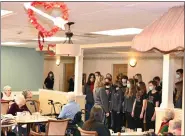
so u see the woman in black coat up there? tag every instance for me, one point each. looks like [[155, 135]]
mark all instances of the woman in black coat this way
[[88, 91], [49, 81]]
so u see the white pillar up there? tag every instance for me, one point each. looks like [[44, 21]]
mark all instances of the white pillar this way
[[78, 73], [168, 82]]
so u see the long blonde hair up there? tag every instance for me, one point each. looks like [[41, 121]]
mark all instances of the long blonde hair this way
[[99, 82]]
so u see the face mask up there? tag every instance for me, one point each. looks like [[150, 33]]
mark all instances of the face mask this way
[[107, 86], [128, 85], [177, 76], [50, 75], [107, 83], [124, 84], [117, 88], [151, 88]]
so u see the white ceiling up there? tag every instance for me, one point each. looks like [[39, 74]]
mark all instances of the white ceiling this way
[[88, 17]]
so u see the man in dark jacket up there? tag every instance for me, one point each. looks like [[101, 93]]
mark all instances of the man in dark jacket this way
[[178, 89]]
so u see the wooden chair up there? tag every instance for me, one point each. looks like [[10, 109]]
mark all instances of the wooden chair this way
[[33, 105], [4, 107], [87, 133], [54, 128]]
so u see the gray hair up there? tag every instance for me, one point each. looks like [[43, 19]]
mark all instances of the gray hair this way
[[175, 124], [6, 88], [25, 93], [71, 96], [169, 115]]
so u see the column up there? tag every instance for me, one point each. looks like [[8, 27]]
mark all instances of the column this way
[[168, 82], [78, 73]]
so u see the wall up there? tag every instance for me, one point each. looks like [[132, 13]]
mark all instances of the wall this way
[[148, 66], [21, 68], [50, 65]]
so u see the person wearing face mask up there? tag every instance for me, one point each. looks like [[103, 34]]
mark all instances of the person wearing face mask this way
[[123, 89], [129, 99], [100, 95], [177, 96], [115, 107], [137, 79], [158, 88], [88, 91], [49, 81], [109, 88], [139, 106], [152, 102]]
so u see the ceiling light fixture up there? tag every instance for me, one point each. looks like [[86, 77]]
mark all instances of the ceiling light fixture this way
[[120, 32], [12, 43], [6, 13]]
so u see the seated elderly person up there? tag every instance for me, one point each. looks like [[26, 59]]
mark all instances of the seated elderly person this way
[[70, 109], [7, 94], [27, 94], [175, 127], [18, 106], [169, 115]]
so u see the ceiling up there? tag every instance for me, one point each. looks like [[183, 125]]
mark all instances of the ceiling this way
[[88, 17]]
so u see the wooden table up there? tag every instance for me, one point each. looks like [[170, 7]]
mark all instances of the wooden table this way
[[30, 120]]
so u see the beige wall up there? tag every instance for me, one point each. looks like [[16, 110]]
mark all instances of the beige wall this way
[[148, 67], [50, 65]]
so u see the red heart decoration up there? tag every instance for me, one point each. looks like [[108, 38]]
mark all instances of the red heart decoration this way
[[47, 6]]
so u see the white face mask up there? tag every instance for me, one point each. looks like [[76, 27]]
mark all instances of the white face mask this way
[[128, 85], [117, 88], [124, 84], [177, 76], [107, 86], [151, 88]]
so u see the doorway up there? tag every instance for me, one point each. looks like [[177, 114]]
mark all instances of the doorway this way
[[68, 73], [119, 68]]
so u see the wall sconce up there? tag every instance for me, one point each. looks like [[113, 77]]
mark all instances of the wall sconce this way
[[132, 62], [58, 62]]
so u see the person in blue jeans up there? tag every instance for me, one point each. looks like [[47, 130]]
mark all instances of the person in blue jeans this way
[[88, 91]]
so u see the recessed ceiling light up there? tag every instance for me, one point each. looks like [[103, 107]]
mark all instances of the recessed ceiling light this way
[[6, 13], [12, 43], [120, 32], [55, 39]]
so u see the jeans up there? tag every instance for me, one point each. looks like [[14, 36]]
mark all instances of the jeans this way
[[88, 108]]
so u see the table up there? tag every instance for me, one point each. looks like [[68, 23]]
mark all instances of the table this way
[[129, 134], [29, 120]]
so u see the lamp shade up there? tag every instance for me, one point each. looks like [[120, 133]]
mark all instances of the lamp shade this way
[[166, 34], [67, 50]]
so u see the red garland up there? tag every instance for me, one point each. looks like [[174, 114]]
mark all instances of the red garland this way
[[51, 52], [47, 6], [40, 34]]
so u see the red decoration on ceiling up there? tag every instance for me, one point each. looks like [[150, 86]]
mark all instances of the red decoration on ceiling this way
[[41, 45], [52, 53], [47, 6]]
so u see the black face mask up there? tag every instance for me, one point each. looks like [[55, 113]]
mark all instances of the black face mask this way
[[136, 80], [107, 83]]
